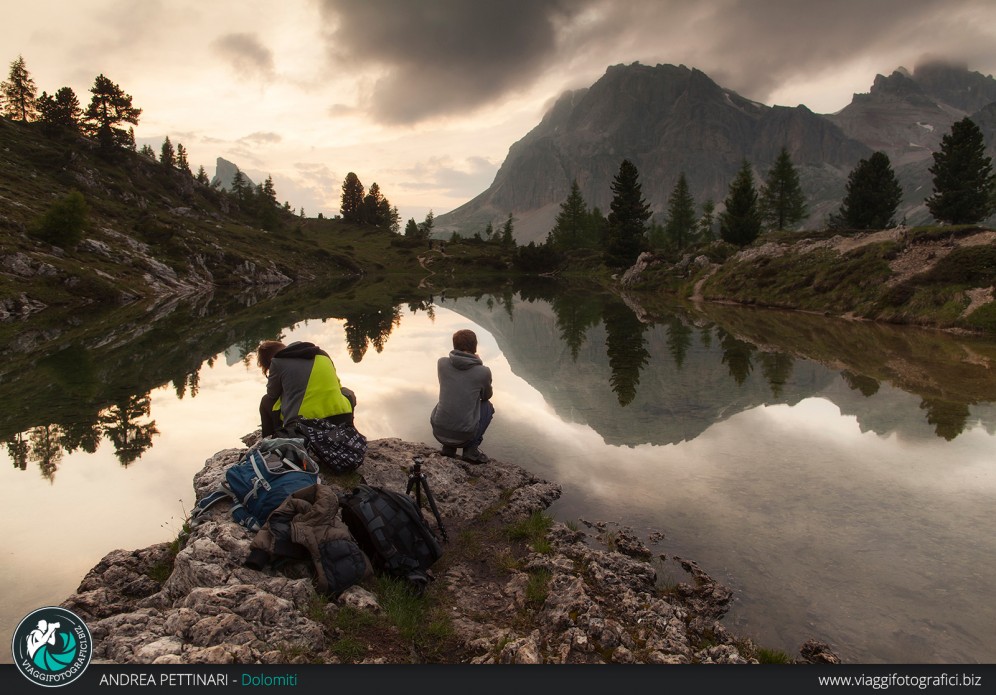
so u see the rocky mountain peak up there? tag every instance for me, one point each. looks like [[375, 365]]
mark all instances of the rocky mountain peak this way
[[955, 85], [224, 172], [668, 120], [672, 119]]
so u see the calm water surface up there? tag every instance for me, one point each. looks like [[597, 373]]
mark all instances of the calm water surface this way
[[839, 478]]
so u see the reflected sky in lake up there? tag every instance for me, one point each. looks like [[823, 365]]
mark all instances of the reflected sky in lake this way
[[832, 514]]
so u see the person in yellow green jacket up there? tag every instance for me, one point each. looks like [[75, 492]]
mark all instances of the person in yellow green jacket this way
[[301, 382]]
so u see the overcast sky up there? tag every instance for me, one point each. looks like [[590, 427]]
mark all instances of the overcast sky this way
[[425, 97]]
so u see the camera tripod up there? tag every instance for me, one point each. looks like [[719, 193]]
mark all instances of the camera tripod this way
[[418, 482]]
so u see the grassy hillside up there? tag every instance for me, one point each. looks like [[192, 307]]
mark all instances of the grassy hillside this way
[[153, 231], [942, 277]]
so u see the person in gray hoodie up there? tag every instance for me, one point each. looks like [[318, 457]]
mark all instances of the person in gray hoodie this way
[[464, 410]]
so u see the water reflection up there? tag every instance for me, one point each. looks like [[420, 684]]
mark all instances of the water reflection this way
[[949, 373], [696, 367], [91, 381], [751, 437]]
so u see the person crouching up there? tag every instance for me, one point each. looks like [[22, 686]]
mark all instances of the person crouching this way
[[464, 410]]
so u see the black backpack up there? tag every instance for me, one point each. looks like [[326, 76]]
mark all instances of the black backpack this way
[[390, 529]]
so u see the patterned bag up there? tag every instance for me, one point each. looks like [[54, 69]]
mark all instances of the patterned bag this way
[[339, 446]]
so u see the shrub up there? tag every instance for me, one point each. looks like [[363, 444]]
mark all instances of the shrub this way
[[974, 266], [983, 318], [64, 222]]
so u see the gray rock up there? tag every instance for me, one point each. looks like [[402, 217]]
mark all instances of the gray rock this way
[[592, 605]]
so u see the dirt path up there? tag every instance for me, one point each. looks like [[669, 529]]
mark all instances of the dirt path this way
[[697, 291]]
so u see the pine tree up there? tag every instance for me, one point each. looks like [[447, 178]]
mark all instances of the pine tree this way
[[371, 205], [627, 219], [269, 192], [963, 177], [388, 216], [167, 157], [240, 186], [680, 227], [571, 228], [109, 107], [181, 159], [425, 229], [411, 229], [489, 232], [872, 196], [148, 152], [740, 223], [351, 205], [18, 92], [507, 237], [202, 176], [61, 111], [266, 205], [706, 221], [783, 203]]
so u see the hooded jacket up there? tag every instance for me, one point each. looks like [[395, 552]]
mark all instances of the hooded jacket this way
[[464, 382], [303, 383]]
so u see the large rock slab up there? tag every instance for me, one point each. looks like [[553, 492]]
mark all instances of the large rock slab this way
[[197, 603]]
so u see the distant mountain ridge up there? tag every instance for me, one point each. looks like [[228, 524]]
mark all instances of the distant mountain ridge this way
[[671, 119]]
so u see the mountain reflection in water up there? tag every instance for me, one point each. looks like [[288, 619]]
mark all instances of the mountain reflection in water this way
[[730, 429]]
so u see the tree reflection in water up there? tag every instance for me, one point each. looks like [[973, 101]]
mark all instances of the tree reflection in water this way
[[120, 424], [69, 400]]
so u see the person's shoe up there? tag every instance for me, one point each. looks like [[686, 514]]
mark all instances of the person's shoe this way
[[449, 451], [475, 455]]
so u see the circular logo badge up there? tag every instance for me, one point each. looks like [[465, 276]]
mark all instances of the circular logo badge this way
[[52, 646]]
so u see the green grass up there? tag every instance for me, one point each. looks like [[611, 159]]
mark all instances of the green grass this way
[[538, 587], [416, 617], [533, 530], [162, 570], [348, 649], [857, 282], [772, 656]]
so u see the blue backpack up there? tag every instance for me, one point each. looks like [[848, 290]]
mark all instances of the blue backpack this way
[[262, 479]]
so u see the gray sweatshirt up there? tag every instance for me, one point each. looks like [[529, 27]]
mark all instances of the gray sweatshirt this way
[[464, 382]]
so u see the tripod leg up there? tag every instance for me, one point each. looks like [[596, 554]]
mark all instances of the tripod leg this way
[[435, 510]]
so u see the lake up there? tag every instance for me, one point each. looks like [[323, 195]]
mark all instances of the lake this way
[[838, 476]]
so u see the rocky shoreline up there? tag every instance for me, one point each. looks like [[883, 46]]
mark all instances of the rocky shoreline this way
[[585, 593]]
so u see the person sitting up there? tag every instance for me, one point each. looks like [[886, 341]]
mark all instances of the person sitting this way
[[301, 382], [464, 410]]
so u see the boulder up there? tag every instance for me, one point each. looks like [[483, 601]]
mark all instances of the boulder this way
[[555, 599]]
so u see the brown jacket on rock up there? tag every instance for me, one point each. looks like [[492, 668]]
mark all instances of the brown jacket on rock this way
[[305, 526]]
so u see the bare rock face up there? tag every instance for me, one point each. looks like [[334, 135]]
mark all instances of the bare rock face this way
[[212, 609], [594, 605]]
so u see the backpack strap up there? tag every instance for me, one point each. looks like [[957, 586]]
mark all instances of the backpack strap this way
[[206, 503]]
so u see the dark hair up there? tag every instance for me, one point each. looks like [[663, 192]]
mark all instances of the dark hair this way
[[465, 341], [265, 352]]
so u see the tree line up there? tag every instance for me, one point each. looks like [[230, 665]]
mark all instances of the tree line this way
[[110, 109], [964, 192]]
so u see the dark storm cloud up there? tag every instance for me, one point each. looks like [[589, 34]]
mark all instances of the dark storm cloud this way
[[754, 46], [442, 57], [246, 53]]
